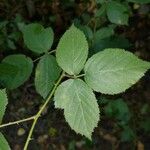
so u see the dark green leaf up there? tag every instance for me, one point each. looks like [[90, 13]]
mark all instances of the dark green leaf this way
[[117, 13], [38, 39], [47, 72], [118, 109], [24, 66], [127, 134], [139, 1]]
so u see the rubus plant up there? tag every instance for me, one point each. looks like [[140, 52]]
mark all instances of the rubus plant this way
[[110, 71]]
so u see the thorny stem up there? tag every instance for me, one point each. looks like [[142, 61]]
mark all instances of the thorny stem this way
[[35, 117], [40, 111], [17, 122]]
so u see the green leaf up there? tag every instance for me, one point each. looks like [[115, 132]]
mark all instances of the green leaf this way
[[117, 13], [87, 31], [80, 106], [104, 33], [110, 42], [47, 72], [3, 143], [145, 124], [101, 11], [127, 134], [38, 39], [6, 69], [113, 71], [3, 103], [139, 1], [118, 109], [23, 64], [100, 1], [72, 51]]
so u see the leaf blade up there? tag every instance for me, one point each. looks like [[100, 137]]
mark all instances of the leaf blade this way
[[38, 39], [3, 143], [117, 13], [23, 64], [72, 51], [3, 103], [80, 106], [47, 72], [112, 71]]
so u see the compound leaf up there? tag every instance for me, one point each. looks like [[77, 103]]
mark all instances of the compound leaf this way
[[24, 67], [47, 72], [38, 39], [113, 71], [72, 51], [3, 103], [80, 106], [3, 143]]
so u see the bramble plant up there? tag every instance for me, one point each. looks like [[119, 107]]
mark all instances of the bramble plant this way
[[110, 71], [68, 74]]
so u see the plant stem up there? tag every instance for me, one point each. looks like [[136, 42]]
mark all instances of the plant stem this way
[[81, 75], [40, 111], [42, 55], [17, 122], [74, 77]]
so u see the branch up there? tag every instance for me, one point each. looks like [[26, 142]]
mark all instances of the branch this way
[[17, 122], [40, 111]]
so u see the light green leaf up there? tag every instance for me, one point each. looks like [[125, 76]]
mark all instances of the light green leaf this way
[[139, 1], [117, 13], [47, 72], [38, 39], [3, 143], [72, 51], [23, 64], [113, 71], [3, 103], [80, 106]]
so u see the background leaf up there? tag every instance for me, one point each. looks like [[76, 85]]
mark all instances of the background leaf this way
[[38, 39], [72, 51], [113, 71], [3, 103], [127, 134], [47, 72], [117, 13], [80, 106], [118, 109], [24, 66], [139, 1], [7, 72], [110, 42]]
